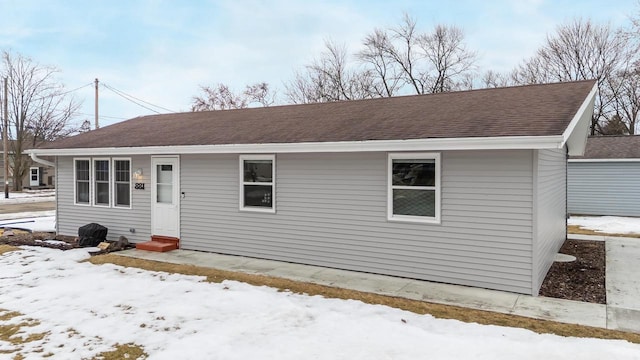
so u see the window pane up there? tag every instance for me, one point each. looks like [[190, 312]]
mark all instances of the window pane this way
[[122, 170], [122, 194], [102, 193], [82, 169], [82, 192], [165, 174], [164, 194], [257, 195], [414, 202], [258, 170], [412, 172], [102, 170]]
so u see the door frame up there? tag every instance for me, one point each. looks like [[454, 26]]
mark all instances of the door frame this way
[[176, 190]]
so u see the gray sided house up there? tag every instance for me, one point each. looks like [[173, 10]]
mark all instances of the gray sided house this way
[[465, 188], [605, 180]]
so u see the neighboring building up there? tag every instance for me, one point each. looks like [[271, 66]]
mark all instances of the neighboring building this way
[[37, 176], [465, 188], [606, 180]]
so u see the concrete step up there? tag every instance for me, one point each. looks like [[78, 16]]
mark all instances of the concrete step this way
[[157, 246], [160, 243]]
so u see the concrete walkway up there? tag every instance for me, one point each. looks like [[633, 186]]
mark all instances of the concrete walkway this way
[[622, 311], [623, 287], [623, 283]]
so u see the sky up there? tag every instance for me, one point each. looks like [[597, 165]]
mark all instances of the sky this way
[[161, 52]]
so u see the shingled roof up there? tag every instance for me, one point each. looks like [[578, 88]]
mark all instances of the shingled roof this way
[[612, 147], [533, 110]]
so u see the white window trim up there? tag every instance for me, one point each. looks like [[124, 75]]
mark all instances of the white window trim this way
[[109, 182], [113, 185], [271, 157], [409, 218], [75, 182]]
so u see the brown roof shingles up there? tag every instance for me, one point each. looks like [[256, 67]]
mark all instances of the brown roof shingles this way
[[612, 147], [534, 110]]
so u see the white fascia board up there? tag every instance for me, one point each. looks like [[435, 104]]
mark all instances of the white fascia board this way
[[576, 133], [479, 143], [603, 160]]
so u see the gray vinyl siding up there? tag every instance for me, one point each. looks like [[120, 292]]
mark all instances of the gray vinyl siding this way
[[550, 211], [117, 220], [332, 211], [604, 188]]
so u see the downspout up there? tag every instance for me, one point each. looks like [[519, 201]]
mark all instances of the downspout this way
[[35, 158]]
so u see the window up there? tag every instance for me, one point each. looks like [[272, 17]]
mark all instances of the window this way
[[122, 182], [81, 175], [257, 183], [414, 187], [101, 182]]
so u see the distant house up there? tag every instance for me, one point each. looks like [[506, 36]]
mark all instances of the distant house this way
[[464, 188], [36, 176], [606, 180]]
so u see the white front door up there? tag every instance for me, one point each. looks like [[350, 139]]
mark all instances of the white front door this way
[[165, 196]]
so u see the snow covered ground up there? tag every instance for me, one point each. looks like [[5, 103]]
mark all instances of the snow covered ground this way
[[608, 224], [28, 196], [34, 221], [86, 309]]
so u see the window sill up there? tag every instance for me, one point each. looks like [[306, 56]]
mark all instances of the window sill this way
[[414, 219], [258, 210]]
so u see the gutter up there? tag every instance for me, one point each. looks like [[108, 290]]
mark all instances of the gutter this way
[[35, 158]]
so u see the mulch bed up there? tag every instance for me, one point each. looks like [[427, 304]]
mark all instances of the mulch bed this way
[[582, 279]]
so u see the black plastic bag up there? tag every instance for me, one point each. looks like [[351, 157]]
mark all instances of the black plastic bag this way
[[91, 235]]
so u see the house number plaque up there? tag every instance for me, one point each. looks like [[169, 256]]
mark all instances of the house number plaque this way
[[139, 186]]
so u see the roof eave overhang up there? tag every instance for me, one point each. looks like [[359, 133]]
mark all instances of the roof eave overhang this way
[[576, 133], [471, 143]]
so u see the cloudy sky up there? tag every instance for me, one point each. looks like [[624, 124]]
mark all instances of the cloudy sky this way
[[161, 51]]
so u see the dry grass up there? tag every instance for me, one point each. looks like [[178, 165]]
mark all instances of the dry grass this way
[[7, 248], [15, 333], [576, 229], [123, 351], [419, 307]]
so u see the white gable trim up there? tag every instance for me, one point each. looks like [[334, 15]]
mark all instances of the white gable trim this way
[[479, 143], [575, 135]]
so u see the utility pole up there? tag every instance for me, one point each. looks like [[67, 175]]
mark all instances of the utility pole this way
[[5, 140], [96, 111]]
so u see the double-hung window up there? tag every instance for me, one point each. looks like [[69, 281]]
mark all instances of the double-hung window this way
[[414, 187], [81, 174], [257, 183], [102, 182], [122, 183]]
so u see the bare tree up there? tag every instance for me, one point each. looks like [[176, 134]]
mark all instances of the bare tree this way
[[330, 78], [39, 109], [393, 60], [578, 50], [447, 57], [221, 97], [623, 88], [492, 79]]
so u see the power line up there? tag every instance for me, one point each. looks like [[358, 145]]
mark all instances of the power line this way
[[64, 93], [130, 97]]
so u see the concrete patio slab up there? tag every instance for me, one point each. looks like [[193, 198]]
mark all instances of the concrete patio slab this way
[[474, 298], [566, 311], [623, 283]]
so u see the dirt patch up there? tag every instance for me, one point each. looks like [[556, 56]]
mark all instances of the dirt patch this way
[[582, 279], [37, 239]]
